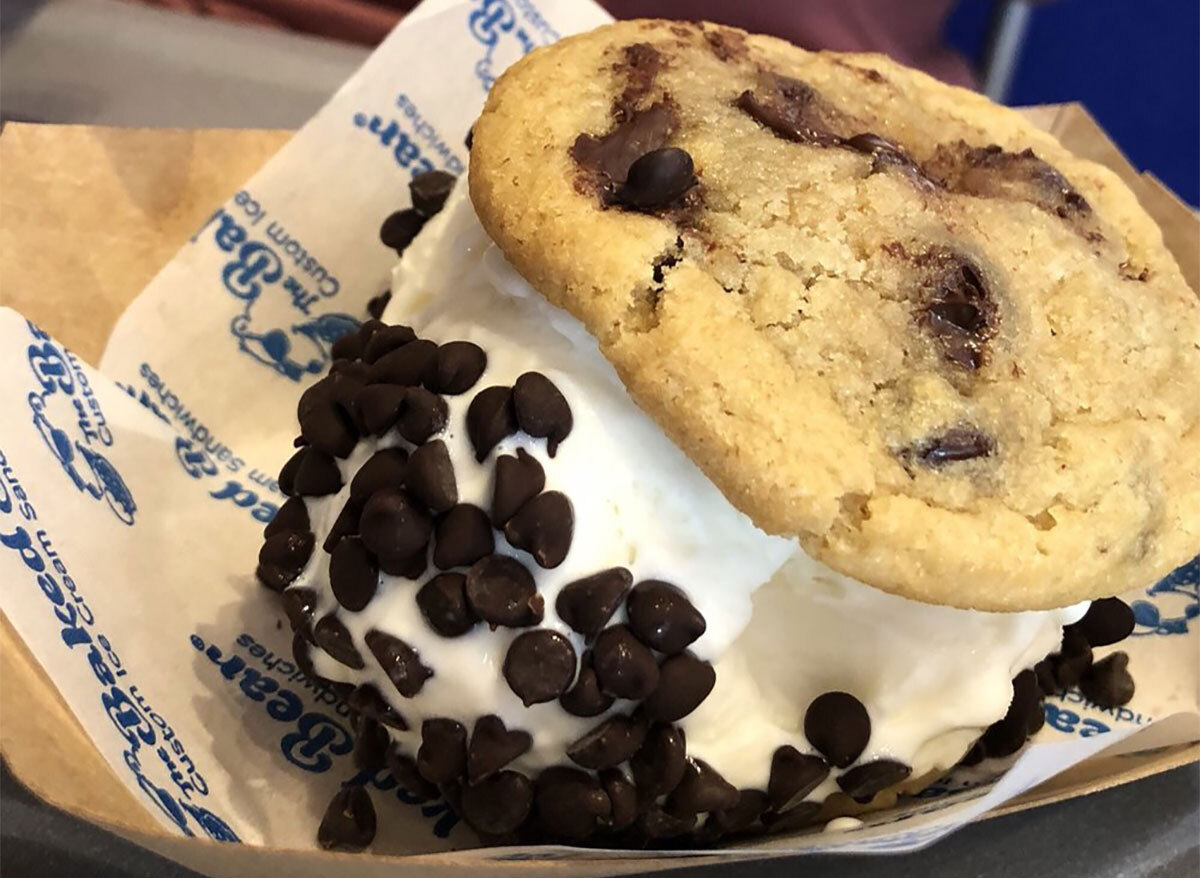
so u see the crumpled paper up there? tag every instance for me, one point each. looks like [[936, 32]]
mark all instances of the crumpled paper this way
[[132, 497]]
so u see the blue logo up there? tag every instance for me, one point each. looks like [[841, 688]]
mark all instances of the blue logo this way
[[71, 422], [1174, 601], [506, 33]]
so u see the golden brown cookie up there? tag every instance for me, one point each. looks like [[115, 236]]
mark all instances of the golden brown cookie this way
[[883, 314]]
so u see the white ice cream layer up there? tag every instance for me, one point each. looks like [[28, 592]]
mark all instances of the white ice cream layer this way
[[782, 628]]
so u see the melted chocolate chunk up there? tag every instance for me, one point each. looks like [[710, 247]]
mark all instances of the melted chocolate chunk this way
[[502, 592], [429, 191], [659, 765], [393, 526], [541, 409], [727, 45], [793, 109], [1108, 682], [605, 160], [457, 366], [518, 480], [387, 339], [282, 558], [399, 661], [836, 723], [366, 700], [662, 617], [793, 776], [404, 770], [443, 603], [587, 604], [539, 666], [353, 574], [493, 746], [490, 418], [498, 804], [624, 667], [331, 635], [684, 682], [956, 444], [609, 744], [863, 782], [702, 789], [430, 476], [657, 179], [463, 536], [349, 821], [956, 308], [442, 757], [885, 154], [570, 803], [383, 470], [639, 67], [543, 527], [1106, 621], [400, 228]]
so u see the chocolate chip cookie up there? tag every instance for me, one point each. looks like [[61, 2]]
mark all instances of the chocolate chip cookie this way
[[882, 314]]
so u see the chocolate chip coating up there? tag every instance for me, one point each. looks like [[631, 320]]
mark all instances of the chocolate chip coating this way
[[625, 668], [393, 526], [493, 746], [422, 414], [1108, 682], [570, 803], [399, 661], [864, 781], [490, 418], [610, 743], [384, 469], [430, 476], [543, 527], [331, 635], [385, 340], [539, 666], [541, 410], [282, 558], [498, 804], [587, 604], [406, 366], [502, 592], [457, 366], [662, 617], [793, 776], [443, 603], [442, 757], [353, 574], [1107, 621], [657, 179], [659, 765], [519, 479], [684, 682], [837, 724], [349, 821], [292, 515], [463, 536]]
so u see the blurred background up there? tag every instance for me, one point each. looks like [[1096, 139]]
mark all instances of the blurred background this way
[[272, 63]]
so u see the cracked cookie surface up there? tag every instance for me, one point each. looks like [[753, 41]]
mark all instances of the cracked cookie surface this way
[[881, 313]]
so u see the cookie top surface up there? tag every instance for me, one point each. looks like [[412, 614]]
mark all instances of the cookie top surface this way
[[887, 316]]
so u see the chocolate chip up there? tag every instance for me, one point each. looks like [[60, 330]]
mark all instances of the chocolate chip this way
[[657, 823], [1007, 735], [498, 804], [339, 388], [659, 765], [605, 160], [518, 480], [502, 592], [407, 366], [348, 347], [344, 525], [539, 666], [404, 770], [1108, 682], [429, 190], [349, 821], [622, 798], [287, 473], [657, 179], [683, 683], [378, 304], [282, 558], [400, 228], [793, 110], [302, 654], [836, 723], [1044, 671], [456, 368], [885, 154], [1107, 621], [610, 743], [463, 536], [493, 746], [422, 414], [292, 515], [430, 476], [353, 574], [392, 525], [378, 407], [442, 757], [300, 604], [541, 409], [369, 328], [662, 617], [624, 667], [585, 697], [587, 604], [800, 816], [570, 803], [317, 474], [748, 808], [331, 635], [353, 369], [956, 444], [366, 700], [1037, 719], [543, 527], [371, 746], [490, 418], [399, 661], [702, 789], [413, 567], [868, 143], [793, 776], [866, 780], [384, 469], [974, 756], [443, 603], [387, 339]]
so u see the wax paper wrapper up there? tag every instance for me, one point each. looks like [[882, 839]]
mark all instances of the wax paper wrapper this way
[[132, 497]]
